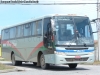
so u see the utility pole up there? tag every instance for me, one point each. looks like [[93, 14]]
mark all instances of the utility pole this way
[[98, 27]]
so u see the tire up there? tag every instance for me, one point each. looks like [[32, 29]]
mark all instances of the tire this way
[[14, 62], [42, 62], [72, 66], [19, 63], [34, 63]]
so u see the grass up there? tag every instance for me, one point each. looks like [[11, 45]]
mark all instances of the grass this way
[[5, 67], [2, 59], [95, 63]]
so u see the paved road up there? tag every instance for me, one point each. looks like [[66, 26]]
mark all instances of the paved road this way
[[56, 70]]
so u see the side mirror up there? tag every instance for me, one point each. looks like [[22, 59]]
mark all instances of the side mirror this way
[[95, 32], [93, 20]]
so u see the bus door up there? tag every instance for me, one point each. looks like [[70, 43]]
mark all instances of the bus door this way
[[47, 34]]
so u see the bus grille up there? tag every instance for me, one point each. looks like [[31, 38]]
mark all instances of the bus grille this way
[[76, 59]]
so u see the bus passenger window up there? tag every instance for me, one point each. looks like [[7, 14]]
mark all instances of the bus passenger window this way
[[6, 34], [39, 27], [27, 29], [33, 28], [2, 33], [19, 31], [12, 32]]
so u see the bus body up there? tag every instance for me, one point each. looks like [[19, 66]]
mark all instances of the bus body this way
[[54, 39]]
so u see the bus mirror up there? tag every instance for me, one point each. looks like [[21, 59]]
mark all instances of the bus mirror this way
[[94, 20], [95, 32]]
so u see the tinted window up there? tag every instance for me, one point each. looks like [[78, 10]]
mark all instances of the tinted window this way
[[39, 27], [27, 29], [2, 35], [19, 31], [45, 23], [12, 32], [33, 28], [6, 34]]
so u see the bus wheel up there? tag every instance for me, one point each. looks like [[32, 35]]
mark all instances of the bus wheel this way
[[14, 62], [42, 62], [72, 65]]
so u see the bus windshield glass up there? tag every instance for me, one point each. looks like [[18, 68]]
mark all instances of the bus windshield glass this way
[[73, 30]]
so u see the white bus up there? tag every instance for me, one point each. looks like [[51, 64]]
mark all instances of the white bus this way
[[53, 39]]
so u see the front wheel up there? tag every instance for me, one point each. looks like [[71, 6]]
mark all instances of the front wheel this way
[[42, 62], [72, 65]]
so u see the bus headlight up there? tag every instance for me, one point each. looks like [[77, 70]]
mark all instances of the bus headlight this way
[[60, 53]]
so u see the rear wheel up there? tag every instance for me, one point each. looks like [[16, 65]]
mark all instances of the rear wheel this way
[[14, 62], [42, 62], [72, 65]]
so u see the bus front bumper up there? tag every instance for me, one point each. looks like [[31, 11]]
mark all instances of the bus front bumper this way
[[61, 59]]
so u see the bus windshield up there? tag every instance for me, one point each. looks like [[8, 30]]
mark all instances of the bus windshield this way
[[73, 30]]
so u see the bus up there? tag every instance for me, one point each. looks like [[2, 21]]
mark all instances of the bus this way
[[51, 39]]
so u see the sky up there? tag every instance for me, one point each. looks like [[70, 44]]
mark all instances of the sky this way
[[15, 14]]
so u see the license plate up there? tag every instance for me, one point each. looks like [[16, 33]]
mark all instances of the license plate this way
[[77, 57]]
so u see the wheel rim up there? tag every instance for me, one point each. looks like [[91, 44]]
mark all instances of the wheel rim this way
[[42, 61]]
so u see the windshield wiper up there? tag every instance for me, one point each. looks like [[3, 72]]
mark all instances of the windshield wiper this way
[[72, 41], [83, 42]]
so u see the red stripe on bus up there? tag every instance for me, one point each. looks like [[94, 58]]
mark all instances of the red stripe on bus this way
[[36, 48], [10, 44]]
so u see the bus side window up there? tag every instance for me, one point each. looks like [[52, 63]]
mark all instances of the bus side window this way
[[2, 33], [27, 29], [6, 34], [12, 32], [39, 27], [33, 28], [19, 31]]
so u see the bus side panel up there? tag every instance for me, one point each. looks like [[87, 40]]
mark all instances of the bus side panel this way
[[8, 47], [20, 49], [36, 45], [6, 54]]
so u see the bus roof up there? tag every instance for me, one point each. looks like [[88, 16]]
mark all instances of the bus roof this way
[[45, 16]]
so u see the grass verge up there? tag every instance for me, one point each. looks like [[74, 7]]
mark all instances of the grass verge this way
[[95, 63], [5, 67], [2, 59]]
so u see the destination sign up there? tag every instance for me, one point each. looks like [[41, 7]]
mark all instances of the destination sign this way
[[63, 18]]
